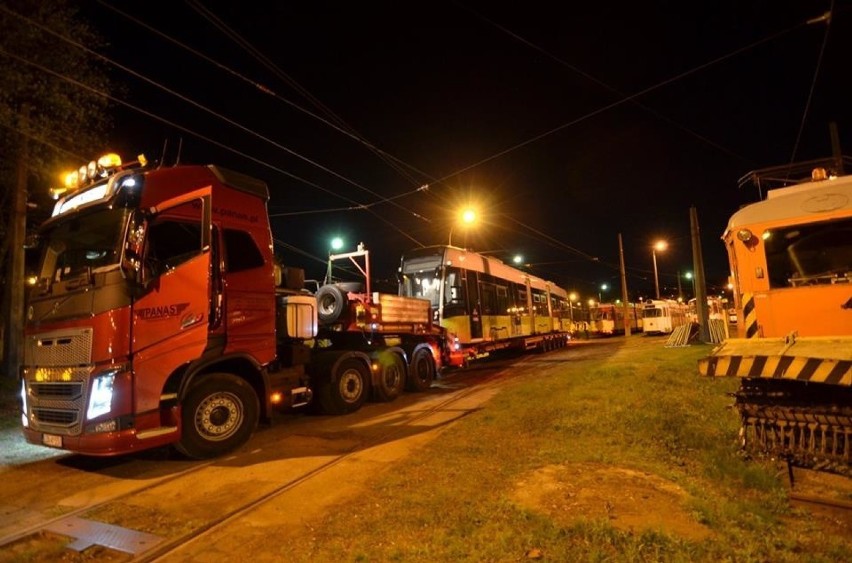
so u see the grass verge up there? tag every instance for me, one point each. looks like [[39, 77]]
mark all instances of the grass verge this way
[[642, 415]]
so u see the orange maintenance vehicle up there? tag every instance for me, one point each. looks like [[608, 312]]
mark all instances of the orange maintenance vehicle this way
[[158, 316], [791, 263]]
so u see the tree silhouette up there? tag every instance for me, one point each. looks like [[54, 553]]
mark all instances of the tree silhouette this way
[[49, 122]]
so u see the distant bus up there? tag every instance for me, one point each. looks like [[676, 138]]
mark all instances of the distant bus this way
[[662, 316]]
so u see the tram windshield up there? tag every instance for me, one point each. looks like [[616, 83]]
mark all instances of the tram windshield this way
[[815, 254], [420, 276]]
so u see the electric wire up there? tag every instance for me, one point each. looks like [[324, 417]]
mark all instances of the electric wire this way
[[268, 91], [271, 66], [606, 86], [629, 98], [358, 205], [827, 19], [497, 155]]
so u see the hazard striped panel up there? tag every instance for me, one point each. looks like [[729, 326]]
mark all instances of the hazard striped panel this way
[[817, 370], [749, 316]]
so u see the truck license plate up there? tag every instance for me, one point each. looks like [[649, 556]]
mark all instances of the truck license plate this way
[[51, 440]]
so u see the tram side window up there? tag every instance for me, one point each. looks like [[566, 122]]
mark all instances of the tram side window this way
[[502, 300], [453, 290], [521, 300], [488, 293], [815, 254], [538, 306]]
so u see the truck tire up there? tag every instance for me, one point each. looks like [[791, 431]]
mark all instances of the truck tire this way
[[331, 302], [422, 370], [391, 379], [219, 414], [346, 388]]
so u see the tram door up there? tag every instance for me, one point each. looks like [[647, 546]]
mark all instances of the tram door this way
[[471, 283]]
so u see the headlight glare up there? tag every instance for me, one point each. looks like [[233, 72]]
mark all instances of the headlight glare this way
[[100, 401]]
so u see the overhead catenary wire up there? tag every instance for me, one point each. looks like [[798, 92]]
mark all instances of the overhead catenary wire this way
[[606, 86], [268, 91], [272, 67], [632, 98], [360, 206], [826, 18]]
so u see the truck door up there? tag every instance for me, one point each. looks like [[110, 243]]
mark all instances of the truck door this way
[[169, 326]]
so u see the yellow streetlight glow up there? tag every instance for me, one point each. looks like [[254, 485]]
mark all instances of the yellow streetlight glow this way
[[467, 217], [660, 246]]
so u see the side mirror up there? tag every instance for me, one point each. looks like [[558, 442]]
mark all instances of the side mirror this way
[[131, 255]]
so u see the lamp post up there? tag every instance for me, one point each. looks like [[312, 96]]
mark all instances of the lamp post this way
[[660, 245], [467, 217], [604, 287]]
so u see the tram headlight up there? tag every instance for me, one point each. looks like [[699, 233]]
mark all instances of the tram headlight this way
[[748, 238], [100, 400]]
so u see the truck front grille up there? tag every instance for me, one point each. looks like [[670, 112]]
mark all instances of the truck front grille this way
[[59, 348], [64, 418], [57, 369], [67, 391]]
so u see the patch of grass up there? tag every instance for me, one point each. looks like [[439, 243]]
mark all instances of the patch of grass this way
[[643, 408], [10, 402]]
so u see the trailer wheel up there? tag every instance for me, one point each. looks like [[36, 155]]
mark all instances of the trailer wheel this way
[[219, 414], [331, 302], [422, 370], [391, 377], [346, 388]]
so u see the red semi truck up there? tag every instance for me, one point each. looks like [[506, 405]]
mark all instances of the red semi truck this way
[[159, 317]]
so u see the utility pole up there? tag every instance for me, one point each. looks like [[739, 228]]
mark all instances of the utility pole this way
[[15, 274], [626, 305], [700, 286]]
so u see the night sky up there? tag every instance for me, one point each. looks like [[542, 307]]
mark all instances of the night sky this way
[[566, 125]]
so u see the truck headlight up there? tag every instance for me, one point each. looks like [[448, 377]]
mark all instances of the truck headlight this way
[[100, 400]]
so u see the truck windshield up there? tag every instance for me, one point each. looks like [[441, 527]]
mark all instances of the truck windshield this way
[[83, 243]]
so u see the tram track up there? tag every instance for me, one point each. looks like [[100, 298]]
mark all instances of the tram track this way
[[478, 381], [163, 552]]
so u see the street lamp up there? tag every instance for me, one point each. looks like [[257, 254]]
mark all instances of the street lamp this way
[[466, 218], [336, 244], [660, 245], [604, 287], [689, 276]]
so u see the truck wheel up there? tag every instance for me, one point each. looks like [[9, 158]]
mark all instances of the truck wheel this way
[[422, 370], [391, 378], [219, 414], [346, 388], [331, 301]]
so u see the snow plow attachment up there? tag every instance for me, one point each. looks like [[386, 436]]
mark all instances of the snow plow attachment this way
[[795, 397]]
